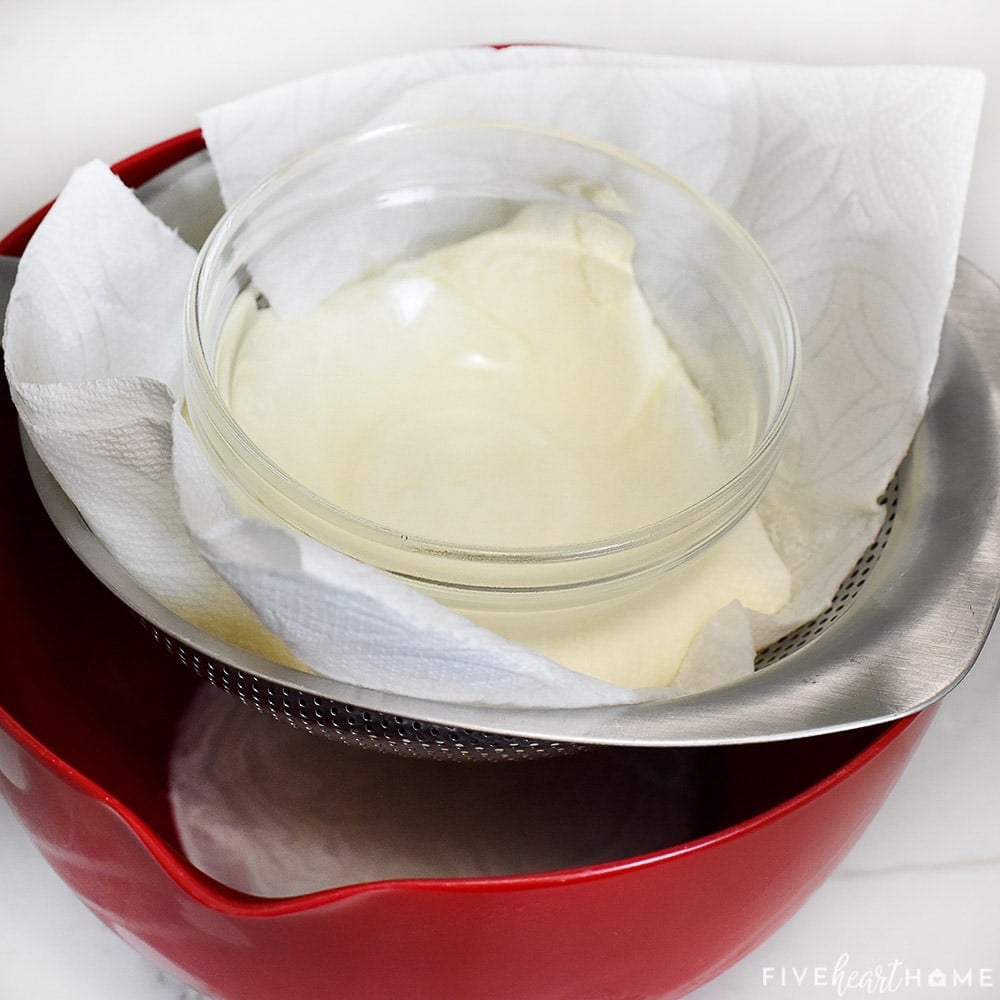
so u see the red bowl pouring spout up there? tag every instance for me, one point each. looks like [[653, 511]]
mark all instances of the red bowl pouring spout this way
[[89, 708], [93, 797]]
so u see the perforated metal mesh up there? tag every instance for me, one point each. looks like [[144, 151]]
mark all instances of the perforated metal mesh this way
[[353, 724], [848, 591], [358, 726]]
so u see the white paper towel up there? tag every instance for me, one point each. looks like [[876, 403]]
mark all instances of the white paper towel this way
[[274, 811], [852, 180], [92, 352]]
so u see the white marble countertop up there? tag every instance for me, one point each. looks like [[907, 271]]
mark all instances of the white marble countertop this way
[[921, 891]]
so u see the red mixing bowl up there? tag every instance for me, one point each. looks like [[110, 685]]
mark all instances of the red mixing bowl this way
[[89, 707]]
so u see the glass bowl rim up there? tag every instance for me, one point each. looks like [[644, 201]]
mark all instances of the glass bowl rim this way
[[673, 525]]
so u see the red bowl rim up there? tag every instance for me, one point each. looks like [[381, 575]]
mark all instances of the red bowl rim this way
[[217, 896], [133, 171]]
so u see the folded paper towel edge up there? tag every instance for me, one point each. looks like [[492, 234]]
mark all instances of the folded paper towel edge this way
[[459, 60], [446, 657], [217, 541]]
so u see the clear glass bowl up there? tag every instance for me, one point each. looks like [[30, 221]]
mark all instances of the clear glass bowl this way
[[355, 206]]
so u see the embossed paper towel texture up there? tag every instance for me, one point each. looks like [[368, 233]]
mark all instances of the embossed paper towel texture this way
[[92, 351], [853, 181]]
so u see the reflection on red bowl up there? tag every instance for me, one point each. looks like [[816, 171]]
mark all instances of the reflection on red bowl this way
[[88, 709]]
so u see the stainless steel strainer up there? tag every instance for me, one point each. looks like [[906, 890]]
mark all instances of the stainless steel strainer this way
[[903, 629]]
